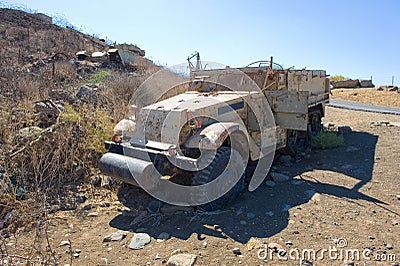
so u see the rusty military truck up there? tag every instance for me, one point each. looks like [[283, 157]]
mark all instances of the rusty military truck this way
[[224, 122]]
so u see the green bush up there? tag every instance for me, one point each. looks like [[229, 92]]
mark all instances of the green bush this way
[[327, 140], [99, 77]]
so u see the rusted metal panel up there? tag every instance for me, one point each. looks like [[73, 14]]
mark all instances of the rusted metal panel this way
[[292, 121], [288, 101]]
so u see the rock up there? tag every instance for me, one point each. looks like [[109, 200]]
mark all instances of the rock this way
[[316, 197], [279, 178], [139, 240], [154, 206], [176, 251], [204, 244], [348, 263], [88, 207], [93, 214], [54, 208], [398, 196], [286, 159], [162, 236], [157, 257], [236, 251], [389, 246], [65, 243], [171, 209], [270, 183], [250, 215], [296, 182], [80, 198], [78, 251], [104, 204], [269, 213], [76, 255], [182, 260], [125, 128], [216, 227], [28, 132], [289, 243], [254, 244], [116, 236], [344, 130], [306, 263]]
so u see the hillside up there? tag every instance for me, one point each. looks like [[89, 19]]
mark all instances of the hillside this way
[[25, 38]]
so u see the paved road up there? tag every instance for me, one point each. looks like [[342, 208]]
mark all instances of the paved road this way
[[364, 107]]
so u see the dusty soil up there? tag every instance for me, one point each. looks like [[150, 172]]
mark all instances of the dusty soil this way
[[369, 96], [344, 193]]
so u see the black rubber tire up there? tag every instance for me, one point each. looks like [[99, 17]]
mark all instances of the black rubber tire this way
[[211, 172]]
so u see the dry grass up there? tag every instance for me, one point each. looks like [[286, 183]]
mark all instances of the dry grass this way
[[368, 96]]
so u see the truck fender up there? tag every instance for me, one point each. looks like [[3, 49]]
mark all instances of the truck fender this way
[[213, 136]]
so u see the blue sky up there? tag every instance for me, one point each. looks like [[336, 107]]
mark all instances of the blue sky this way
[[357, 39]]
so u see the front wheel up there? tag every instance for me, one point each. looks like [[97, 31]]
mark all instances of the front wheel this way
[[218, 166]]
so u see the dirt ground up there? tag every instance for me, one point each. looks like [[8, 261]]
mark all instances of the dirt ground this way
[[342, 199], [369, 96]]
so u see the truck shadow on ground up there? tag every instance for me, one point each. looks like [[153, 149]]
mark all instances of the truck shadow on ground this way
[[265, 212]]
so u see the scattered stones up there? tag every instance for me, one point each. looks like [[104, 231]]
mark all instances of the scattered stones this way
[[116, 236], [93, 214], [171, 209], [154, 206], [78, 251], [76, 255], [236, 251], [270, 183], [250, 215], [80, 198], [279, 178], [139, 240], [65, 243], [157, 257], [344, 130], [88, 207], [389, 246], [163, 236], [204, 244], [104, 204], [182, 260], [288, 243]]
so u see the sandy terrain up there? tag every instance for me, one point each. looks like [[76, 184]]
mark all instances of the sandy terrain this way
[[369, 96], [347, 194]]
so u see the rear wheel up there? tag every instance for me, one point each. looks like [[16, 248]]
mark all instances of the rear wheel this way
[[213, 171]]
